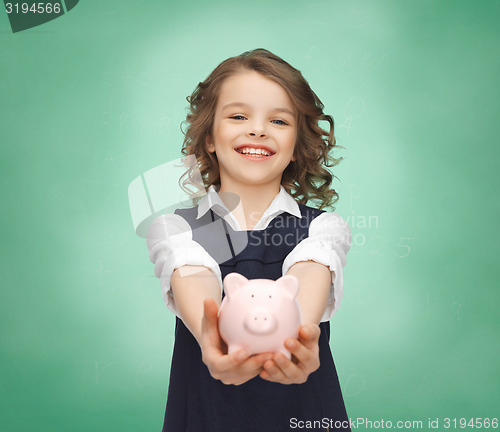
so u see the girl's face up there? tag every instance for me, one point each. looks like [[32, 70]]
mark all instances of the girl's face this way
[[254, 131]]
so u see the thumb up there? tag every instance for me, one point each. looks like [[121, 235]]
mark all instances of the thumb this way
[[309, 334], [209, 323], [210, 310]]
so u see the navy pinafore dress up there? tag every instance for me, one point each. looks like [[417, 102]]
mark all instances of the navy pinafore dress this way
[[197, 402]]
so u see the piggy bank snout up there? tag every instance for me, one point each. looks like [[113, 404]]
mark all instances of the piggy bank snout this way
[[260, 321]]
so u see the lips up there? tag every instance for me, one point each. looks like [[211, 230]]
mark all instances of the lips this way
[[254, 150]]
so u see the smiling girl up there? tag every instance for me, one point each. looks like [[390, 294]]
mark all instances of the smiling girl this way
[[254, 130]]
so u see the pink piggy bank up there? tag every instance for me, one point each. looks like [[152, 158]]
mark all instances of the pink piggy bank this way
[[258, 315]]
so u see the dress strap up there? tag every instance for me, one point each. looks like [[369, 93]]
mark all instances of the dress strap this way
[[224, 223]]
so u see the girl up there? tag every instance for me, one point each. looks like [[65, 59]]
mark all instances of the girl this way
[[253, 128]]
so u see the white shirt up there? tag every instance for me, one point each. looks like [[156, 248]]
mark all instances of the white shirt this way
[[171, 245]]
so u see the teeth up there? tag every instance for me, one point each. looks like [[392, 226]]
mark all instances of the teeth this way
[[253, 151]]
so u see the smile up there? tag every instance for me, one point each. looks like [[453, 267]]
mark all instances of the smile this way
[[254, 152]]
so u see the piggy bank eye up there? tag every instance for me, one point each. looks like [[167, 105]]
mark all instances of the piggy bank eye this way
[[253, 296], [270, 296]]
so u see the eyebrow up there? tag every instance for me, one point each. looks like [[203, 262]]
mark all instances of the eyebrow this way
[[244, 105]]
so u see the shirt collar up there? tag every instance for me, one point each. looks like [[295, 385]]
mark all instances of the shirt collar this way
[[282, 202]]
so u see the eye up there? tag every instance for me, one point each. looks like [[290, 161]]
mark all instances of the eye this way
[[280, 122], [270, 296], [253, 296], [238, 117]]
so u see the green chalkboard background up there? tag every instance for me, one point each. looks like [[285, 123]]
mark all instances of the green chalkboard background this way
[[92, 99]]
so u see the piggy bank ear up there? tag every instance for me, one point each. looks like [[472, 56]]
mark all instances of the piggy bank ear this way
[[232, 282], [290, 285]]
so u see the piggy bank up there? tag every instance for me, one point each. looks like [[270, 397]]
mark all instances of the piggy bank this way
[[258, 315]]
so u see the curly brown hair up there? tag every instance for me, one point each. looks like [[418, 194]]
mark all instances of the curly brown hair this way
[[307, 178]]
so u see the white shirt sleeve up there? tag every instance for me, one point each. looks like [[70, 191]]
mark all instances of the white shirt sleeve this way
[[171, 245], [328, 243]]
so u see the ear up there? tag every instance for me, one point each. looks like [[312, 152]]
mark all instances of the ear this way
[[290, 285], [232, 282], [209, 144]]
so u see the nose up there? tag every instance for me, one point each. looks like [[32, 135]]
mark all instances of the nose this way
[[256, 128], [260, 321]]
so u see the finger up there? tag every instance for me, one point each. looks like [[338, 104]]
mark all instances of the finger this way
[[243, 373], [309, 335], [307, 357], [253, 365], [301, 352], [230, 361], [209, 323], [258, 360], [210, 343], [309, 331], [288, 368], [265, 375], [272, 372], [245, 363], [222, 366], [210, 310]]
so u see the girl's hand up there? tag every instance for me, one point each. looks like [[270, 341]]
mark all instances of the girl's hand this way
[[305, 358], [236, 368]]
